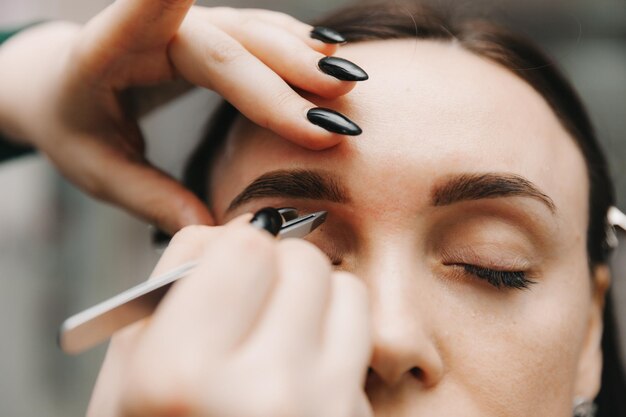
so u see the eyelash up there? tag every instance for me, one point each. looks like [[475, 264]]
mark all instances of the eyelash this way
[[497, 278]]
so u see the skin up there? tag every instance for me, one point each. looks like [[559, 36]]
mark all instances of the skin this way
[[441, 341]]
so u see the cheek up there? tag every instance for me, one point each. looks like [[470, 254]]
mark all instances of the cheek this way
[[520, 355]]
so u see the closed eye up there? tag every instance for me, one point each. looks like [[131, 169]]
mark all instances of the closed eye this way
[[499, 278]]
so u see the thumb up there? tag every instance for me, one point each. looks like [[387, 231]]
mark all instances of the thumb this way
[[110, 174], [153, 196], [139, 25]]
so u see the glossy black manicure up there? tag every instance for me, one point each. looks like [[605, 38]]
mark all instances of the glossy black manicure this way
[[333, 121], [326, 35], [268, 219], [342, 69]]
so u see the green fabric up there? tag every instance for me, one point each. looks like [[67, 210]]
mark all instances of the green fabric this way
[[4, 35], [9, 150]]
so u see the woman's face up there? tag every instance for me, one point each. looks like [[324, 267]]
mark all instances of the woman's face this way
[[463, 208]]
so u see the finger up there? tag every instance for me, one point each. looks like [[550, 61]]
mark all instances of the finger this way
[[294, 318], [190, 243], [347, 337], [110, 175], [185, 246], [154, 196], [300, 29], [106, 397], [242, 79], [138, 25], [214, 308], [286, 55]]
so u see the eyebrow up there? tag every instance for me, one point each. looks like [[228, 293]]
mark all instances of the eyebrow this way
[[319, 185], [300, 183], [463, 187]]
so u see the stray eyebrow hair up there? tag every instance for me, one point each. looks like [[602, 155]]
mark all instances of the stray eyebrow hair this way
[[300, 183], [464, 187]]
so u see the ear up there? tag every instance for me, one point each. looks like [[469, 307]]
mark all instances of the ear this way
[[590, 360]]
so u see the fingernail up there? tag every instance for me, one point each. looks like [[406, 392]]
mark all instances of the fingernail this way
[[326, 35], [268, 219], [333, 121], [342, 69]]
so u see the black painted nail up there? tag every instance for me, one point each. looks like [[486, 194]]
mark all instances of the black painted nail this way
[[269, 219], [326, 35], [342, 69], [333, 121]]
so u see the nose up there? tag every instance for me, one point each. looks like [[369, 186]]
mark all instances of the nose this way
[[403, 352], [404, 337]]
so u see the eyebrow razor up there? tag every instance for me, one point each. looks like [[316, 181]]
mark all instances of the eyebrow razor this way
[[96, 324]]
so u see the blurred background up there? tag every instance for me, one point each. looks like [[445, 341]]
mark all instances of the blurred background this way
[[61, 252]]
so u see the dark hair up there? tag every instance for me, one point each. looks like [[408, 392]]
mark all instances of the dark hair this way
[[412, 19]]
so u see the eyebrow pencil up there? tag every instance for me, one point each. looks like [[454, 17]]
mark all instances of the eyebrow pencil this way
[[96, 324]]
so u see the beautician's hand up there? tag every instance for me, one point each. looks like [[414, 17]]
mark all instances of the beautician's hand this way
[[278, 335], [69, 90]]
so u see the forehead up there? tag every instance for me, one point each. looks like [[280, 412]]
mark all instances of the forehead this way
[[428, 110]]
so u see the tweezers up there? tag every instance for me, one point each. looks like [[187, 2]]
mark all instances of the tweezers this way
[[96, 324]]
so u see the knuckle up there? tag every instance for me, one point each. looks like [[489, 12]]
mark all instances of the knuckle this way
[[191, 234], [161, 397], [224, 51], [244, 18], [275, 120], [248, 240], [284, 98]]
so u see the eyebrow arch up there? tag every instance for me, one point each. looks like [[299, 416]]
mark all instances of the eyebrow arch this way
[[299, 183], [462, 187]]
